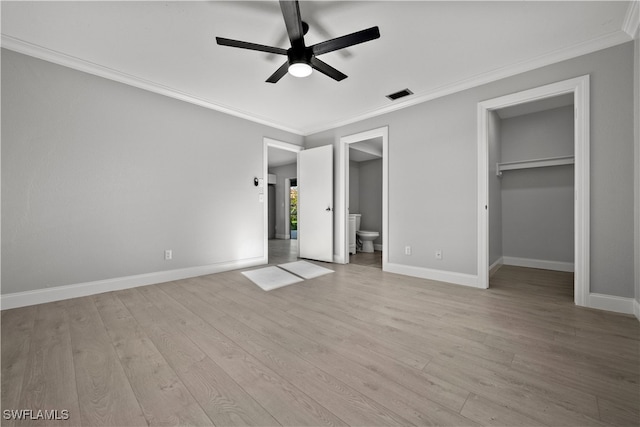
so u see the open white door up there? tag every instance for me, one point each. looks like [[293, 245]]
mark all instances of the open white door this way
[[315, 203]]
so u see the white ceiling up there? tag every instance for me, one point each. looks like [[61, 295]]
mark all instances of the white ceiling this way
[[369, 149], [536, 106], [432, 48], [279, 157]]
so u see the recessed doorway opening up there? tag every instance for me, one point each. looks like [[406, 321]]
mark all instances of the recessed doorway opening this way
[[280, 173], [365, 194], [578, 91]]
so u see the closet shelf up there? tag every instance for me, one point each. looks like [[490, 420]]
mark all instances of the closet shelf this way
[[534, 163]]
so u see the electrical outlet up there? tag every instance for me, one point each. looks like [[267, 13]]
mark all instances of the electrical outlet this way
[[439, 255], [168, 254], [407, 250]]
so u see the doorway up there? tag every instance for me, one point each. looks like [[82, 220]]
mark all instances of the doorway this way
[[280, 170], [291, 208], [370, 145], [579, 89]]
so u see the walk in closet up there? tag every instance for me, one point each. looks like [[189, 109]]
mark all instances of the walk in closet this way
[[531, 185]]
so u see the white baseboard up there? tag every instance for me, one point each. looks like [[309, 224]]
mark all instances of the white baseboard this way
[[431, 274], [283, 236], [612, 303], [636, 309], [58, 293], [495, 266], [538, 263]]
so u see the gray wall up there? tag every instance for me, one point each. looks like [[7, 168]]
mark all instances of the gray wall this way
[[281, 202], [537, 204], [495, 188], [433, 170], [354, 187], [637, 164], [370, 197], [99, 178]]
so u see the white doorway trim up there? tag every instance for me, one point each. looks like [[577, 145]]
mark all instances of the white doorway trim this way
[[281, 145], [343, 190], [579, 86]]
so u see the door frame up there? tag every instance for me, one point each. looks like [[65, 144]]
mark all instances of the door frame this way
[[579, 86], [266, 143], [343, 192]]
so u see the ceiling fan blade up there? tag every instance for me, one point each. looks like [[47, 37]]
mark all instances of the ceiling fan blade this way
[[251, 46], [293, 21], [327, 69], [346, 41], [280, 72]]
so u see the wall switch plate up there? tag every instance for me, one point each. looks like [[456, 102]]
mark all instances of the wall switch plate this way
[[168, 254], [439, 254], [407, 250]]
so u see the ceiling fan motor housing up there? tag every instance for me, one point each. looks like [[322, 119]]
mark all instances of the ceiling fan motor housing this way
[[299, 55]]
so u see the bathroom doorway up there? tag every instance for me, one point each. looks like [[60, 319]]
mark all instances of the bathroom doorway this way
[[364, 185]]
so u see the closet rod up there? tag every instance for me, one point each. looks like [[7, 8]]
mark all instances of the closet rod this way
[[535, 163]]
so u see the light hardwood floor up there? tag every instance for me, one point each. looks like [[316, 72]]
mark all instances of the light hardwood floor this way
[[356, 347]]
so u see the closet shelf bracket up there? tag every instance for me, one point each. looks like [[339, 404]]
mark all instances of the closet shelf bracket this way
[[534, 163]]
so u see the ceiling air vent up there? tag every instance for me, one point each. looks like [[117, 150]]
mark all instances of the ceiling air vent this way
[[399, 94]]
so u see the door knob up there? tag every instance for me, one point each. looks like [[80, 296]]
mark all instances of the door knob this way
[[328, 209]]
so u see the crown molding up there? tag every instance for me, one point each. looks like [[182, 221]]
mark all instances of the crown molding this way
[[75, 63], [590, 46], [632, 19], [603, 42]]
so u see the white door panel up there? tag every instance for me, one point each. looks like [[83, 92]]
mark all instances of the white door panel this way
[[315, 203]]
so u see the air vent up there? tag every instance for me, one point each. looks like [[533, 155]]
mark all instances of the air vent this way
[[399, 94]]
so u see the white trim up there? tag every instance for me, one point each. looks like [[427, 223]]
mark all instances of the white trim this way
[[343, 192], [539, 263], [534, 163], [493, 268], [579, 86], [608, 40], [431, 274], [75, 63], [611, 303], [58, 293], [579, 49], [281, 145], [632, 19]]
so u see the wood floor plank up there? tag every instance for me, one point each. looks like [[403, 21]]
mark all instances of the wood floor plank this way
[[499, 414], [613, 413], [357, 347], [285, 402], [552, 407], [626, 393], [336, 330], [224, 401], [416, 408], [163, 397], [17, 330], [49, 378], [413, 379], [104, 393]]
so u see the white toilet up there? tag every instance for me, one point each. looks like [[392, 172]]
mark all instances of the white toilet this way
[[366, 237]]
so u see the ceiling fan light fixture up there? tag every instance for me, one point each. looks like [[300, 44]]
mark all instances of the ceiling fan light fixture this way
[[300, 69]]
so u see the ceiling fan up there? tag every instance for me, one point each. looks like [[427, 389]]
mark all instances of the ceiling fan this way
[[302, 59]]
